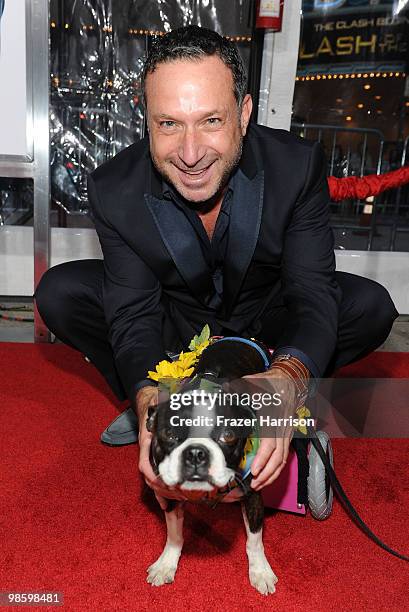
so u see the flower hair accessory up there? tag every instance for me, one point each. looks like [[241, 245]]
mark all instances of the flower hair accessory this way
[[183, 366]]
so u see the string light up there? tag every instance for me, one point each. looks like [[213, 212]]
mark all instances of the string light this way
[[140, 32], [352, 75], [239, 38]]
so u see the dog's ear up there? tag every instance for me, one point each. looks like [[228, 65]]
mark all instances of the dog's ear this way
[[150, 421]]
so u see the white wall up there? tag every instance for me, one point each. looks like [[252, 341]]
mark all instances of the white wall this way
[[391, 269], [16, 254], [13, 96]]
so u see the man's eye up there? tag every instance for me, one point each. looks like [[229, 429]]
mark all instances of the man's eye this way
[[213, 120], [167, 124]]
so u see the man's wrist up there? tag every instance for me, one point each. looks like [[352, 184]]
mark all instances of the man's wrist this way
[[146, 382], [296, 371], [145, 398]]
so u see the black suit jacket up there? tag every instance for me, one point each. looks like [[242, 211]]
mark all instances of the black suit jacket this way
[[280, 249]]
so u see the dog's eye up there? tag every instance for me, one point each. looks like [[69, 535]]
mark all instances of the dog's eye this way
[[228, 437], [168, 434]]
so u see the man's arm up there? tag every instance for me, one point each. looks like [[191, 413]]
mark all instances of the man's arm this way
[[310, 290], [133, 312], [312, 297], [131, 295]]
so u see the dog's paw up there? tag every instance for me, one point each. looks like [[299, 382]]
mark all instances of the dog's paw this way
[[263, 579], [161, 572]]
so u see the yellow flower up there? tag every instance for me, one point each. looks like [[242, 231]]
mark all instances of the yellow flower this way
[[302, 413], [186, 360], [201, 347], [183, 367]]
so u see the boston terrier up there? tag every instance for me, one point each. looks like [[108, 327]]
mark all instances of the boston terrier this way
[[199, 447]]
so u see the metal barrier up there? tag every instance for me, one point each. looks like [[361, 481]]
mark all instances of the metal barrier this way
[[396, 227], [364, 154], [305, 129]]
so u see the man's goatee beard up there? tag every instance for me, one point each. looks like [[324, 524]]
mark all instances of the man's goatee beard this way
[[228, 171]]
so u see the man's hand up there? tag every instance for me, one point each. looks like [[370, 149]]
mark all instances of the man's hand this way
[[269, 461], [272, 455], [145, 398]]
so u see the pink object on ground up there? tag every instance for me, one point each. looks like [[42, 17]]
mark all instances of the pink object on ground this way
[[282, 493]]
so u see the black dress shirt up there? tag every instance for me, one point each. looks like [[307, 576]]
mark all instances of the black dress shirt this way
[[214, 249]]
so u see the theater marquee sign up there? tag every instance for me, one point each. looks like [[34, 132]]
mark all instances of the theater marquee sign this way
[[353, 43]]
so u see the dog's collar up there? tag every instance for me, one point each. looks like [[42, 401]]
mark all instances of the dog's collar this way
[[264, 354], [238, 482]]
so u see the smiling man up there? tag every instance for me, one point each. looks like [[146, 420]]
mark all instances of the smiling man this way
[[197, 145], [211, 219]]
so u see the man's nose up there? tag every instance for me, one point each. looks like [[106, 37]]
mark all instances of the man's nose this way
[[191, 150]]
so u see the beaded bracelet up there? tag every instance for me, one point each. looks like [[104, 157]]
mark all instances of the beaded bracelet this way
[[296, 371]]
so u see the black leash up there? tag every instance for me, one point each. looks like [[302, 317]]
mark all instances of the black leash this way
[[336, 485]]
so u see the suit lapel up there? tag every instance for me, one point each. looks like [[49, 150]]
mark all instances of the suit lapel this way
[[244, 227], [183, 246]]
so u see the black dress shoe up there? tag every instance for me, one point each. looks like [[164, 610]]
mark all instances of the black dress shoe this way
[[123, 430]]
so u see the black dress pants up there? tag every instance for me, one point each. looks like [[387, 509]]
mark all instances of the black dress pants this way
[[69, 300]]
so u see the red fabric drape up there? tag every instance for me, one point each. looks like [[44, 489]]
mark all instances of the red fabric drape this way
[[370, 185]]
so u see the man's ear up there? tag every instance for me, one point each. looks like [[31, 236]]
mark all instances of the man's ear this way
[[151, 420], [246, 109]]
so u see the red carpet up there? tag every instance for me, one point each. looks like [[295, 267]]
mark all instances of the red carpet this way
[[74, 517]]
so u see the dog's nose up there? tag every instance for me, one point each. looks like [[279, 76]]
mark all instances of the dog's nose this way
[[196, 456]]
